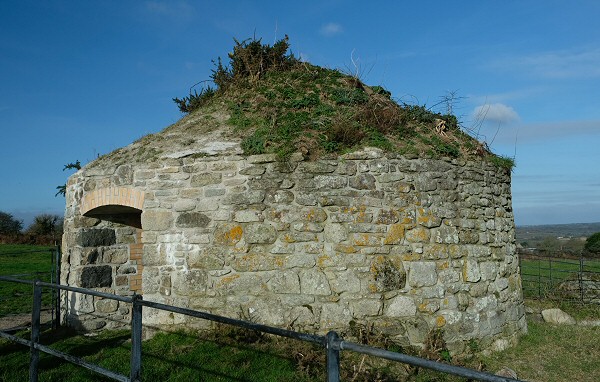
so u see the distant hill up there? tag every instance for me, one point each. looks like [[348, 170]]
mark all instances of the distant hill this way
[[527, 232], [560, 238]]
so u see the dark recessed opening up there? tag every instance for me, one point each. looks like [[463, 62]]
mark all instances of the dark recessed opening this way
[[117, 214]]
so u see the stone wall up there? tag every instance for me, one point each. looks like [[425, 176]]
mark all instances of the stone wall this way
[[408, 245]]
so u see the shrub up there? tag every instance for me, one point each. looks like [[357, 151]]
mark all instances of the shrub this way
[[9, 225], [251, 60], [592, 244], [194, 101]]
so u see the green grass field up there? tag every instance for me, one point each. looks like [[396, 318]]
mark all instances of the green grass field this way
[[18, 259], [542, 277], [166, 357]]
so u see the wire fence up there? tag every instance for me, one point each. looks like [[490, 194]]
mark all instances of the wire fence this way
[[575, 279], [332, 343]]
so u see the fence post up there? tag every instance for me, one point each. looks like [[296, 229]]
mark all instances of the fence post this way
[[56, 292], [136, 339], [539, 278], [35, 332], [581, 276], [333, 357], [551, 281]]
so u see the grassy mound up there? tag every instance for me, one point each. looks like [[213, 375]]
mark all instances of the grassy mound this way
[[278, 104]]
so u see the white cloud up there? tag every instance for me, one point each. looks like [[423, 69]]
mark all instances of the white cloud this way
[[572, 63], [496, 113], [331, 29]]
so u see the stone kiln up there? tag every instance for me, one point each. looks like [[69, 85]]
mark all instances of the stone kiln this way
[[406, 244]]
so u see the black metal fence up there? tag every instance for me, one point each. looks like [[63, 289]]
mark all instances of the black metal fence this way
[[573, 279], [331, 343], [50, 298]]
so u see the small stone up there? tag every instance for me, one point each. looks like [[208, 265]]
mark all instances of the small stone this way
[[257, 233], [363, 182], [401, 306], [557, 316]]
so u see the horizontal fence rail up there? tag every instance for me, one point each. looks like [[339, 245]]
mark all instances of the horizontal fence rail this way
[[52, 275], [332, 343], [560, 278]]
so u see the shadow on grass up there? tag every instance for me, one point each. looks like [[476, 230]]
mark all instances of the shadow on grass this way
[[174, 356]]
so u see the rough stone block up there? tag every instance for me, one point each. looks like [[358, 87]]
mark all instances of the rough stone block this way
[[470, 271], [284, 282], [204, 179], [314, 282], [192, 220], [228, 234], [422, 274], [157, 220], [333, 314], [363, 182], [257, 233], [96, 277], [106, 305], [417, 235], [97, 237], [400, 306]]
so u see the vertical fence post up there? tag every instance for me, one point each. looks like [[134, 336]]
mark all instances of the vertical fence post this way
[[539, 278], [333, 357], [56, 292], [581, 276], [136, 339], [35, 332], [550, 266]]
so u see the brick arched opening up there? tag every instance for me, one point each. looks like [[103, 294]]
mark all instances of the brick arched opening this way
[[121, 205]]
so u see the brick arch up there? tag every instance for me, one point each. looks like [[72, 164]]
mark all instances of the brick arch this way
[[120, 205], [116, 204], [112, 196]]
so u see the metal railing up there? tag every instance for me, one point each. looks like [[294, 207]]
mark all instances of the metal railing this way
[[576, 279], [52, 275], [332, 342]]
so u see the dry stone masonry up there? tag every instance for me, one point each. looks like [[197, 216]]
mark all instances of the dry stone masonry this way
[[408, 245]]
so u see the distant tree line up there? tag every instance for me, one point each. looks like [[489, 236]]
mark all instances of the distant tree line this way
[[564, 247], [45, 229]]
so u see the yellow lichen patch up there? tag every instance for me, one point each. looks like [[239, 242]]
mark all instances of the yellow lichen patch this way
[[373, 288], [418, 235], [321, 260], [440, 321], [247, 263], [404, 187], [407, 220], [228, 235], [365, 239], [288, 239], [395, 234], [279, 261], [443, 265], [314, 215], [228, 279], [427, 219], [411, 257], [345, 248], [375, 265], [362, 216]]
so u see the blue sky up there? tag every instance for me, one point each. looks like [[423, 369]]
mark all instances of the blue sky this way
[[82, 78]]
